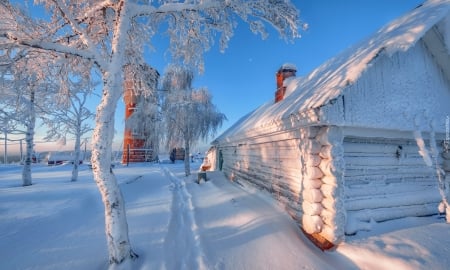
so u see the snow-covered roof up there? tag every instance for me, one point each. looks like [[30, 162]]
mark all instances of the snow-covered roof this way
[[328, 81]]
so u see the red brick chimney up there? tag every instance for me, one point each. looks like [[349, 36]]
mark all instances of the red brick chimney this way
[[284, 72]]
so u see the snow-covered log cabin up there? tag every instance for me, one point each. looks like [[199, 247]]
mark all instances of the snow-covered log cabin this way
[[361, 139]]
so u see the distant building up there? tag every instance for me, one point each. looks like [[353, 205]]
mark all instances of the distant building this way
[[360, 138], [58, 158], [177, 153], [141, 139]]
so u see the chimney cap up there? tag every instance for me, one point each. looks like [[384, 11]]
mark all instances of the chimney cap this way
[[288, 67]]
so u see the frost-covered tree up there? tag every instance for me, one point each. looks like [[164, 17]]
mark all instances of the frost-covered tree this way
[[7, 113], [26, 87], [189, 113], [9, 126], [69, 115], [112, 33]]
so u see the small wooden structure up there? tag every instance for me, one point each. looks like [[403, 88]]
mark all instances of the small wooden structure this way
[[360, 139], [177, 153]]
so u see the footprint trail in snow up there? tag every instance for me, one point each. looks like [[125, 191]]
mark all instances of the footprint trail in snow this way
[[182, 245]]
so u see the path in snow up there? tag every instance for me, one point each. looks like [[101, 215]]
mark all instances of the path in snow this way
[[182, 241], [242, 228], [148, 199]]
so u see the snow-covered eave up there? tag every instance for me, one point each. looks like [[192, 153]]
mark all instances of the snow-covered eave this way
[[438, 46], [374, 132], [292, 122]]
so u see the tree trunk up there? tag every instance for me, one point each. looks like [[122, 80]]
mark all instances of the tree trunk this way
[[115, 217], [26, 172], [76, 160], [187, 160], [116, 227]]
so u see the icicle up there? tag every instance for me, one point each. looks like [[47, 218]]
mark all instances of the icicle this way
[[423, 151], [446, 33], [443, 206]]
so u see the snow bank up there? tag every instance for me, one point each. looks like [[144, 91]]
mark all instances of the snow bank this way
[[58, 224]]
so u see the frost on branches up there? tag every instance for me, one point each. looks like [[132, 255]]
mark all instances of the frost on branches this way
[[112, 34], [189, 113], [69, 115], [27, 86]]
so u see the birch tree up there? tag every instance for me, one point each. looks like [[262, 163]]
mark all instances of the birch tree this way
[[189, 113], [9, 126], [112, 33], [25, 90], [70, 115]]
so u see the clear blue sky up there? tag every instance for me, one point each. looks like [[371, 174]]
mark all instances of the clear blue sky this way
[[243, 77]]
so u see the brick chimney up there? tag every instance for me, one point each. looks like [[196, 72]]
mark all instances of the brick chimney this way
[[284, 72]]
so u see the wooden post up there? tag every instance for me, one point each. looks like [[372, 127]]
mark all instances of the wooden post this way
[[128, 154]]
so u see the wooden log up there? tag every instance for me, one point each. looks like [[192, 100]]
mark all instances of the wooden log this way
[[332, 167], [390, 213], [309, 133], [311, 146], [383, 161], [330, 135], [318, 240], [332, 203], [312, 183], [312, 160], [329, 179], [312, 224], [393, 189], [385, 170], [328, 190], [312, 195], [313, 173], [332, 234], [312, 209], [329, 151], [379, 148], [385, 201], [333, 217]]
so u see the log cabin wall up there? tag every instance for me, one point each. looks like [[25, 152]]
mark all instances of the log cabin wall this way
[[272, 163], [333, 184], [303, 170], [387, 179], [405, 91]]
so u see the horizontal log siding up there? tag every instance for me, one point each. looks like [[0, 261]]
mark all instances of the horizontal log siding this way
[[272, 163], [262, 165], [386, 179]]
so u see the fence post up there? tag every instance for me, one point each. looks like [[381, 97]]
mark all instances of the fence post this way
[[128, 154]]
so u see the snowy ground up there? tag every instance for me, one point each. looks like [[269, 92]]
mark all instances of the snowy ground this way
[[175, 223]]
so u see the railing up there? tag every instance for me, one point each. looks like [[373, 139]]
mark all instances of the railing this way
[[137, 155]]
